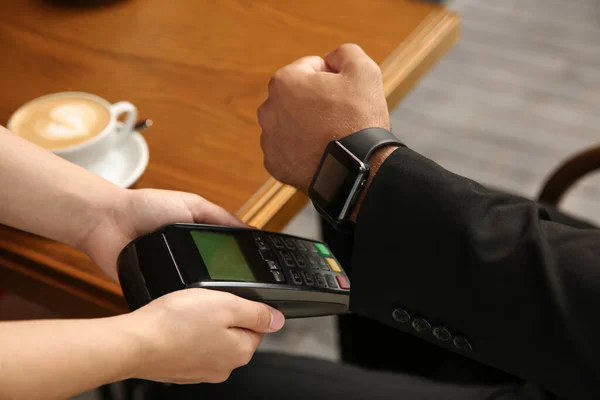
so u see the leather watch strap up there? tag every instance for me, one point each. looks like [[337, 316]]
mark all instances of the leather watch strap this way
[[364, 142]]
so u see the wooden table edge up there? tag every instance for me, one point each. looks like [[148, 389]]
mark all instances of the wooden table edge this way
[[275, 204], [271, 207], [96, 297]]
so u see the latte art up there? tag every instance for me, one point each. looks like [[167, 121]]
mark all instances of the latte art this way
[[60, 122], [67, 121]]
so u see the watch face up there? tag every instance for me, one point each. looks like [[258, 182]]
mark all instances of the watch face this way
[[337, 181]]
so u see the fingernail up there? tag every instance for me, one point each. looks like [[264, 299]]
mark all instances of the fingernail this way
[[277, 320]]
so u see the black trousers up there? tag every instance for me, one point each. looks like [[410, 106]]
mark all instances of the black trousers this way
[[277, 376]]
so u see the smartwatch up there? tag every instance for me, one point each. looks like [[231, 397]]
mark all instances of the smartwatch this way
[[343, 172]]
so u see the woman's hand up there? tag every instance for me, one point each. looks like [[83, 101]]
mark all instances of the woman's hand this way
[[133, 213], [52, 197], [192, 335], [198, 335]]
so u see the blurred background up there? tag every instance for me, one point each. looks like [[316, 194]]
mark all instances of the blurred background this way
[[514, 98]]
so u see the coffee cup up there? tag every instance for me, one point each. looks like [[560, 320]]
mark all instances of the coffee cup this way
[[79, 127]]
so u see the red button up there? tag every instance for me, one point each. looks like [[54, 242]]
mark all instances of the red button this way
[[343, 282]]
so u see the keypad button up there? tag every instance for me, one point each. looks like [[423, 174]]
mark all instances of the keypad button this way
[[287, 258], [309, 278], [335, 267], [278, 275], [343, 282], [262, 246], [320, 280], [277, 242], [296, 278], [273, 265], [267, 255], [421, 325], [259, 237], [331, 281], [301, 245], [322, 264], [312, 262], [322, 249], [299, 260], [311, 248], [289, 243]]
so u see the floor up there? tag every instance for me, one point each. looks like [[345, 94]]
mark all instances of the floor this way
[[516, 96]]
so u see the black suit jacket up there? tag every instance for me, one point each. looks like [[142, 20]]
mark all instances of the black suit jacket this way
[[488, 267]]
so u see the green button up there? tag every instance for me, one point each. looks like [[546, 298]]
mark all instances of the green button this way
[[322, 249]]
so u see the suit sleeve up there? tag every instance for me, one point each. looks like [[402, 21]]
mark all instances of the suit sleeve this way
[[482, 273]]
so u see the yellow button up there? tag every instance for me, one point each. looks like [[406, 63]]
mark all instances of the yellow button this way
[[333, 264]]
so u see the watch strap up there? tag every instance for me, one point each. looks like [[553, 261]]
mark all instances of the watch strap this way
[[364, 142]]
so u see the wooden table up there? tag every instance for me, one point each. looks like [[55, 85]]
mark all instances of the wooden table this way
[[199, 69]]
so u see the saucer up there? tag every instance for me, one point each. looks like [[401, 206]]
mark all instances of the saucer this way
[[124, 165]]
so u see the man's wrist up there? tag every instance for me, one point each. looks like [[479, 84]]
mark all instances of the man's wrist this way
[[375, 162]]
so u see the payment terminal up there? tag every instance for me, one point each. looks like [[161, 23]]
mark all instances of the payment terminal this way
[[299, 277]]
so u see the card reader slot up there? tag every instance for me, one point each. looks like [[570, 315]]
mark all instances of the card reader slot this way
[[292, 302]]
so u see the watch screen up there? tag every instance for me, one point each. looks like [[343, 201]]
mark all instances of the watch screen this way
[[336, 181], [222, 256], [331, 177]]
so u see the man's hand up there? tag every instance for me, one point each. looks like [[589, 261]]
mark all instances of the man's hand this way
[[136, 212], [314, 101]]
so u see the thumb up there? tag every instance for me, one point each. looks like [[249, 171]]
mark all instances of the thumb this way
[[257, 317], [205, 212], [348, 58], [311, 64]]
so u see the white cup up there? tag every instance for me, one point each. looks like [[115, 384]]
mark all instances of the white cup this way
[[88, 153]]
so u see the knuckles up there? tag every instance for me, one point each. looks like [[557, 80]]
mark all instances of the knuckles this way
[[374, 68], [281, 79], [263, 141], [261, 113], [350, 48], [359, 58], [268, 166], [369, 68]]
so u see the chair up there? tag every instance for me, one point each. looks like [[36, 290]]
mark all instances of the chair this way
[[567, 174]]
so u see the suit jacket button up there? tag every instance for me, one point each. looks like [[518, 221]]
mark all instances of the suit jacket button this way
[[401, 316], [421, 325], [442, 333], [462, 343]]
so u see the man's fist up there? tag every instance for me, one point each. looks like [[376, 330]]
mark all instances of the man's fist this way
[[314, 101]]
